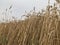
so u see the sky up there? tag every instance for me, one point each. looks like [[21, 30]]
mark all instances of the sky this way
[[19, 7]]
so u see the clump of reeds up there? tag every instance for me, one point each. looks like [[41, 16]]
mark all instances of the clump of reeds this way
[[37, 29]]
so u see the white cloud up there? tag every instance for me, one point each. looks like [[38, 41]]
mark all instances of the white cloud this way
[[5, 3]]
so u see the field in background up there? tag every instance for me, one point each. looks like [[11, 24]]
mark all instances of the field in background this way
[[42, 28]]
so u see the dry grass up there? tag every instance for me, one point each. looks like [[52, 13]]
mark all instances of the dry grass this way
[[35, 30]]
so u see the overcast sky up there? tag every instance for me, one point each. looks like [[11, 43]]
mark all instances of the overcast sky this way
[[19, 6]]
